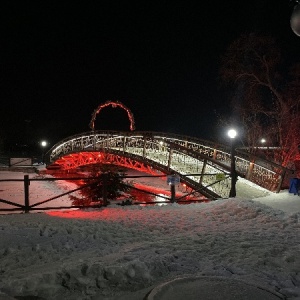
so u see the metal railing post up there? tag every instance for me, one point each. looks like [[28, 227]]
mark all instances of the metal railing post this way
[[215, 154], [26, 193], [250, 170], [144, 147], [170, 157], [94, 141], [104, 189], [173, 179], [124, 144], [173, 193]]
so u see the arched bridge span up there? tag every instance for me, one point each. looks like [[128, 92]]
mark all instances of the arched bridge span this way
[[154, 152]]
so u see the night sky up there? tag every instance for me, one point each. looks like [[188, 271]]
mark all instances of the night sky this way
[[61, 59]]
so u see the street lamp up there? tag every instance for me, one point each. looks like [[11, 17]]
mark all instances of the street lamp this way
[[232, 133], [44, 145]]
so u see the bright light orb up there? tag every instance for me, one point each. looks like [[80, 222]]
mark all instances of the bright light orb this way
[[232, 133], [295, 20], [43, 143], [263, 140]]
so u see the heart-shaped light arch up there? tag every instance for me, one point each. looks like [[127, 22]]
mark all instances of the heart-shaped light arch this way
[[113, 104]]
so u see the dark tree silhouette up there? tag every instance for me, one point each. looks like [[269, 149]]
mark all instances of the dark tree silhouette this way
[[105, 179]]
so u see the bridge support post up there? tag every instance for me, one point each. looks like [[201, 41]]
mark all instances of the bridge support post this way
[[26, 192], [203, 171]]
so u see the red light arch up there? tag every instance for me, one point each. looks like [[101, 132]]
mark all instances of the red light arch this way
[[113, 104]]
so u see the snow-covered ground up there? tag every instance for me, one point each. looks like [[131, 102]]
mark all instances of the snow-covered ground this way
[[122, 252]]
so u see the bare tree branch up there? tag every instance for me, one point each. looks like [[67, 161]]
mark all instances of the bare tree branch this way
[[266, 102]]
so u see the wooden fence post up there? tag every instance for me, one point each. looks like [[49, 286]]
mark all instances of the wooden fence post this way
[[26, 193]]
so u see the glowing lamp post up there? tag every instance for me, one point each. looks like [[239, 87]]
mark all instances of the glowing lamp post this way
[[232, 133], [44, 145]]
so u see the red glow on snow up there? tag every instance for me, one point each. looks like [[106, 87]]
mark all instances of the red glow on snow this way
[[113, 104], [105, 214]]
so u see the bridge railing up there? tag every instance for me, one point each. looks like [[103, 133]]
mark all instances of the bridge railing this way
[[260, 171]]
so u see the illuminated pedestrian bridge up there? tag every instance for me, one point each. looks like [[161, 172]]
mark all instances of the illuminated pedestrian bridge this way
[[202, 165]]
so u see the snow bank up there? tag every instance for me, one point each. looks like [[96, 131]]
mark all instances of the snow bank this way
[[102, 254]]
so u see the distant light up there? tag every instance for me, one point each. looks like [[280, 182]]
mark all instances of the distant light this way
[[161, 143], [44, 143], [263, 140], [232, 133]]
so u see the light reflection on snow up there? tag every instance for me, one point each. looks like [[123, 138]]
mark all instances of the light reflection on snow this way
[[160, 199]]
